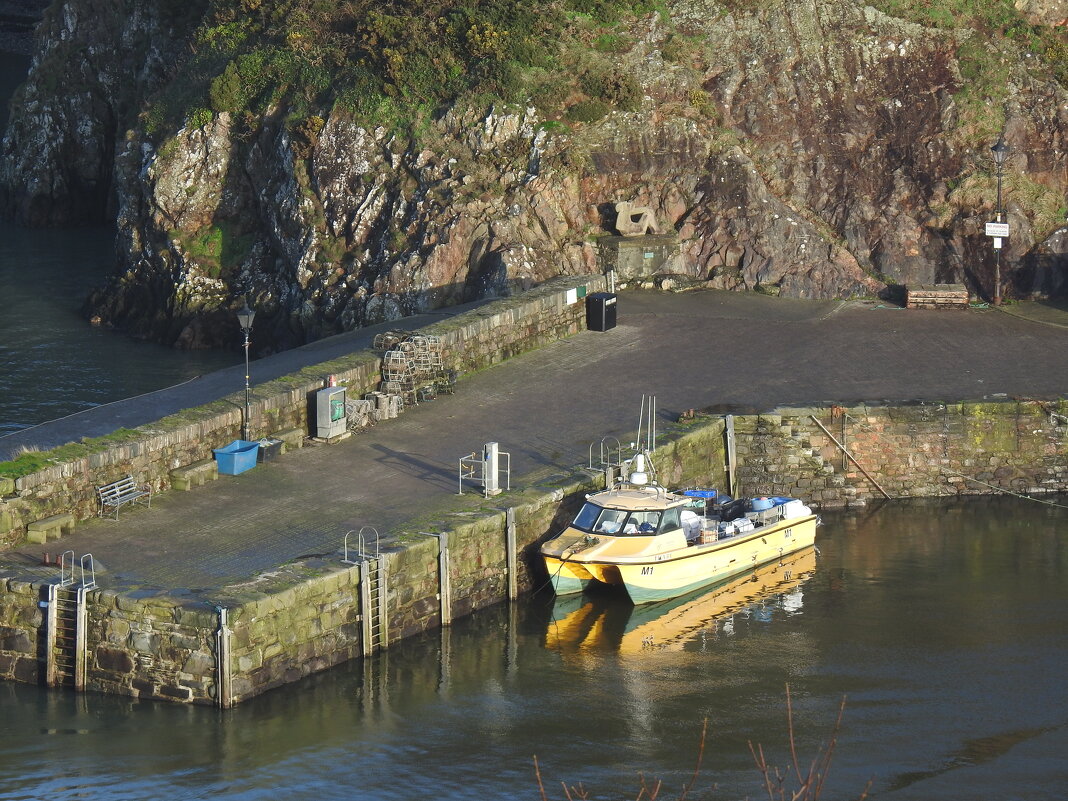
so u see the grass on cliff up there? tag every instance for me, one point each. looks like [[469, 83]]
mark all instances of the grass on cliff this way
[[217, 248], [394, 63], [388, 63], [983, 61]]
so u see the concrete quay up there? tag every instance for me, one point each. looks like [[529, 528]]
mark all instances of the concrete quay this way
[[229, 540]]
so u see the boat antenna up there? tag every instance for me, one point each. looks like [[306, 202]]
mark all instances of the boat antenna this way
[[642, 463], [641, 420], [652, 423], [647, 424]]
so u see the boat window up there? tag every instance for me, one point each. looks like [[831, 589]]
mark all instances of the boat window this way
[[670, 520], [586, 519], [642, 523], [610, 521]]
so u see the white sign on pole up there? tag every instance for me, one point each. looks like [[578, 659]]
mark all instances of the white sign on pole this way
[[997, 229]]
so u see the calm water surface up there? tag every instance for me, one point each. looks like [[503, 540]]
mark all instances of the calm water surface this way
[[943, 624], [52, 362]]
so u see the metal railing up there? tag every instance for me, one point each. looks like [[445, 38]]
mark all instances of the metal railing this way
[[362, 553]]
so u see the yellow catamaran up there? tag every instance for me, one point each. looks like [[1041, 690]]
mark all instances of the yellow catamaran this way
[[652, 542], [597, 623]]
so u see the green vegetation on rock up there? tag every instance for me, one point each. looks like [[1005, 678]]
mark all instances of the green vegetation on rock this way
[[996, 30], [389, 63], [217, 248]]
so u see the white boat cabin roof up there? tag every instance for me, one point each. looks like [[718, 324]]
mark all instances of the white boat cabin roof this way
[[637, 498]]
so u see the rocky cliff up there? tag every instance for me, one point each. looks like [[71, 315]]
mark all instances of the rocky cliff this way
[[816, 148]]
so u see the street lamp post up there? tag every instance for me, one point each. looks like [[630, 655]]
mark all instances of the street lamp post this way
[[244, 319], [1000, 152]]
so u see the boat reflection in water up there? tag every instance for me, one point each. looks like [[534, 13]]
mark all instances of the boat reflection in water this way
[[606, 622]]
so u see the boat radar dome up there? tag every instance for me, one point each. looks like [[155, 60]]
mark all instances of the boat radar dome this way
[[638, 476]]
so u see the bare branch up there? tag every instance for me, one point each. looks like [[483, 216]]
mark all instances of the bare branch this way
[[790, 730], [697, 767], [537, 773]]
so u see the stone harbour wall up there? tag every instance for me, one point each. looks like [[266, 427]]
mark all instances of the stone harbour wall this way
[[21, 621], [910, 451], [151, 646], [472, 341], [316, 622], [306, 616]]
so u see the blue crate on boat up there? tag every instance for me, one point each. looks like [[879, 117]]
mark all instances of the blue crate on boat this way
[[237, 457]]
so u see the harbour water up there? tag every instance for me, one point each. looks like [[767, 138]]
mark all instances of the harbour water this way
[[942, 624], [52, 361]]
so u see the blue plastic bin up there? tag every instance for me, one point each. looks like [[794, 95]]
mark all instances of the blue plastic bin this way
[[237, 457]]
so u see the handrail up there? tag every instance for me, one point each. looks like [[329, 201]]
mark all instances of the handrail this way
[[91, 583], [605, 463], [378, 540], [362, 553], [474, 468], [66, 578], [851, 457]]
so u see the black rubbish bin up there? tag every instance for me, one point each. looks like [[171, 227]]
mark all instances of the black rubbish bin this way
[[601, 311], [269, 449]]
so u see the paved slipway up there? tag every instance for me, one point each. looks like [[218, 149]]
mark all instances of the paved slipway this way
[[727, 351]]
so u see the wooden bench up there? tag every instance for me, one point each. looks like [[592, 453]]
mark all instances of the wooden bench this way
[[50, 528], [120, 492]]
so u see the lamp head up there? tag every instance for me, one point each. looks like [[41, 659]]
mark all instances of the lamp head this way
[[1000, 151], [245, 316]]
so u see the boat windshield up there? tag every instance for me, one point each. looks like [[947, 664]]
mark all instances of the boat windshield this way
[[599, 520]]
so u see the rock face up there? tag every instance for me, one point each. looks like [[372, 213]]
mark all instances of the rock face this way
[[94, 63], [811, 149]]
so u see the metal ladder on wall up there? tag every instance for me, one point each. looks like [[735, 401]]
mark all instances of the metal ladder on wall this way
[[65, 623], [374, 612]]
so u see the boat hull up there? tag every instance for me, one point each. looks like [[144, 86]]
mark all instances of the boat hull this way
[[675, 573]]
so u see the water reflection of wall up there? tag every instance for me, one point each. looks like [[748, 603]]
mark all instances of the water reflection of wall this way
[[967, 549]]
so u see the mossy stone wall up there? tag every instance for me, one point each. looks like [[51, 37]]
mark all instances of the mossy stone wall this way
[[917, 450], [150, 646], [308, 619], [21, 621], [476, 339]]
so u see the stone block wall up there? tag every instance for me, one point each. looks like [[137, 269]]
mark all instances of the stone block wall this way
[[694, 456], [21, 621], [139, 647], [150, 646], [473, 340], [315, 623], [414, 602], [918, 450], [293, 632]]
